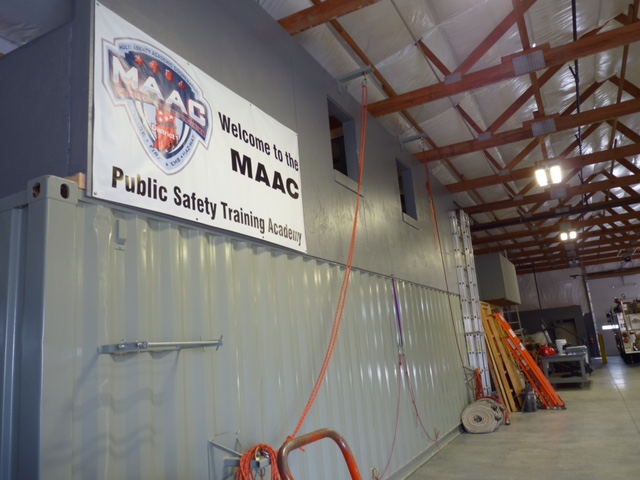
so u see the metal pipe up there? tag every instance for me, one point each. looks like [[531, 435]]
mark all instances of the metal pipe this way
[[576, 76], [301, 441], [535, 279]]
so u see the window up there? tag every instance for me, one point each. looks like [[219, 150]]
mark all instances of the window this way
[[343, 142], [407, 193]]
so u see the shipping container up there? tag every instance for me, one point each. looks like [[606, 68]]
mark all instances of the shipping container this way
[[82, 281]]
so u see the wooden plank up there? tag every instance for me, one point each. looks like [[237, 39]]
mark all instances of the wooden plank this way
[[510, 365], [79, 178], [510, 379], [501, 392], [500, 380], [496, 371]]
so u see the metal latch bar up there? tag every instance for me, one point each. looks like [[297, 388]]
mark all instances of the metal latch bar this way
[[123, 347]]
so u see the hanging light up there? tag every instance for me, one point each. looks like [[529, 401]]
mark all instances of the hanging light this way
[[548, 175], [570, 235]]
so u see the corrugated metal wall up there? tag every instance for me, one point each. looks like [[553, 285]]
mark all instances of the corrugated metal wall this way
[[151, 415], [12, 254]]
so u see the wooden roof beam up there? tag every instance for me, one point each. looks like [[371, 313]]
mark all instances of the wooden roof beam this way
[[587, 45], [508, 170], [545, 231], [566, 163], [584, 248], [529, 248], [491, 39], [605, 247], [609, 250], [554, 194], [547, 75], [321, 13], [623, 72], [555, 213], [526, 132]]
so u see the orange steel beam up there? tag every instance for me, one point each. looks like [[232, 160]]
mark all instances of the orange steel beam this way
[[560, 55], [320, 14]]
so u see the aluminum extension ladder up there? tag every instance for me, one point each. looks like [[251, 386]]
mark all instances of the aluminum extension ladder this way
[[469, 297]]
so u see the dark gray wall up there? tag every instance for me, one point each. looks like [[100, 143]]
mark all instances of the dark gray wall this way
[[241, 46], [34, 95], [559, 324]]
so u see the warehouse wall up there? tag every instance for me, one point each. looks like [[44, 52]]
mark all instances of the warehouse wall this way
[[238, 44], [566, 287]]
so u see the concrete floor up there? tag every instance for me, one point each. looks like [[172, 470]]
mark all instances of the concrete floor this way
[[597, 437]]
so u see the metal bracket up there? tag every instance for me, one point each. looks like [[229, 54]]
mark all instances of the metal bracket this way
[[234, 461], [454, 77], [529, 62], [355, 74], [544, 127], [123, 347], [413, 138]]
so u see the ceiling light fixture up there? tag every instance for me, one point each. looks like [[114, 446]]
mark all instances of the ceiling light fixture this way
[[570, 235], [548, 175]]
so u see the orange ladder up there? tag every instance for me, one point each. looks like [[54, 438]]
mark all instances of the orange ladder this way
[[547, 394]]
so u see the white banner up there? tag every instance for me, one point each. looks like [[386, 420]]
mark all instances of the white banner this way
[[171, 139]]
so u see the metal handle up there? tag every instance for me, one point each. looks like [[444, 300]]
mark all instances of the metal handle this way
[[142, 346], [299, 442]]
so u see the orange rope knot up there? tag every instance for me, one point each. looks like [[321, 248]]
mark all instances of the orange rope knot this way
[[245, 472]]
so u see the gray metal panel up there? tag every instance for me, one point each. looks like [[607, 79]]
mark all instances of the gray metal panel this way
[[12, 253], [34, 87], [118, 274]]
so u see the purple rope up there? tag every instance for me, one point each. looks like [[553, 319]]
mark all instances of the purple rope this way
[[395, 299]]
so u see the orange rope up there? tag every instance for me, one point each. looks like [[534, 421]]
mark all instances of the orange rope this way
[[446, 278], [245, 472], [478, 382], [342, 299]]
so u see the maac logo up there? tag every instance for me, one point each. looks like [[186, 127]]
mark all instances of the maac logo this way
[[166, 107]]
